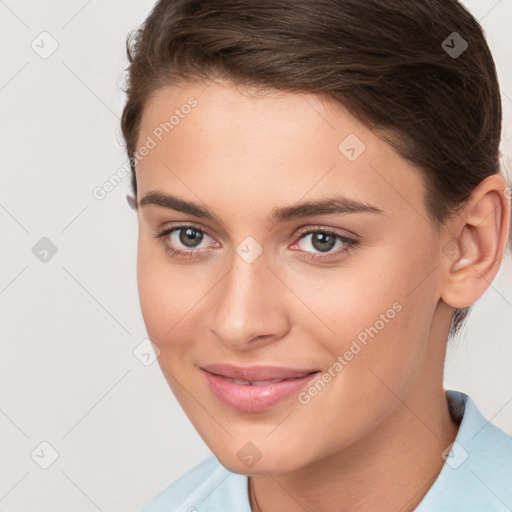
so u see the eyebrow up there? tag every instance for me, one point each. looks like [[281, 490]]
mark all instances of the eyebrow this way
[[327, 206]]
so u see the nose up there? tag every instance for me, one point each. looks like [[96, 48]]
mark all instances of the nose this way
[[249, 307]]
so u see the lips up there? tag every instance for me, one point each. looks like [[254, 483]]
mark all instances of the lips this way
[[256, 382], [256, 388], [256, 375]]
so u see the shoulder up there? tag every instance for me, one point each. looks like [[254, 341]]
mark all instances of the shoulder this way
[[208, 486], [477, 474], [488, 454]]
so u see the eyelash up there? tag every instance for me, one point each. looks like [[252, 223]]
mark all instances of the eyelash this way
[[350, 243]]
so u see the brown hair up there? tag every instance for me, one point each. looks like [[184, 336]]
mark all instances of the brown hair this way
[[394, 64]]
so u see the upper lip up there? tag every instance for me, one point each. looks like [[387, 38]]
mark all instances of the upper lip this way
[[255, 373]]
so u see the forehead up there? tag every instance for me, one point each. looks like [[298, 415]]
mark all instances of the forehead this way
[[262, 148]]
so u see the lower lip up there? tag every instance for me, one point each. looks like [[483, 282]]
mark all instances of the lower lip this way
[[255, 398]]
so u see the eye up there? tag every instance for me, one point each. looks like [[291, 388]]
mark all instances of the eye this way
[[183, 241], [325, 240]]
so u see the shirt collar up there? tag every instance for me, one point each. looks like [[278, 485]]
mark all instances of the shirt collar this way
[[477, 473]]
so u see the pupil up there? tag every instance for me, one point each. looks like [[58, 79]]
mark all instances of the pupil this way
[[323, 241], [189, 235]]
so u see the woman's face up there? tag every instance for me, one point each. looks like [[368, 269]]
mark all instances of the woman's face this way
[[256, 288]]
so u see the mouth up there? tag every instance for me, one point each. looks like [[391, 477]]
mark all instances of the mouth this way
[[256, 394], [261, 382], [255, 374]]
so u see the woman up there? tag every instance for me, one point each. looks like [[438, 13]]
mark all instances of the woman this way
[[319, 203]]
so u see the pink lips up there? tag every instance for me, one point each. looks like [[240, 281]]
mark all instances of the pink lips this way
[[255, 388]]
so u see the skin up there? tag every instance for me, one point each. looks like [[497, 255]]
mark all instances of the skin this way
[[242, 153]]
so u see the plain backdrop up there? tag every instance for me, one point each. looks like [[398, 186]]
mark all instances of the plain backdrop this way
[[74, 396]]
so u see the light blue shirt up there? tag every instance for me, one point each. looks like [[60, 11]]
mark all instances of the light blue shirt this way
[[476, 475]]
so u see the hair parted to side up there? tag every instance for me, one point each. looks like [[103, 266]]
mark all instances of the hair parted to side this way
[[381, 59]]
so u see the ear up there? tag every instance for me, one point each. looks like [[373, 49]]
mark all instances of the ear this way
[[475, 242]]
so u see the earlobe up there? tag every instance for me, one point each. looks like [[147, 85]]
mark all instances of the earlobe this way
[[472, 258]]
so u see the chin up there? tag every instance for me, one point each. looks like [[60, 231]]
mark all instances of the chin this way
[[273, 462]]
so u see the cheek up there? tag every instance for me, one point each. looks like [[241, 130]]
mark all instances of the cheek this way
[[382, 316], [166, 294]]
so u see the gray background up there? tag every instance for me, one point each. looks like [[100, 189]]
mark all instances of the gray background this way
[[70, 324]]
